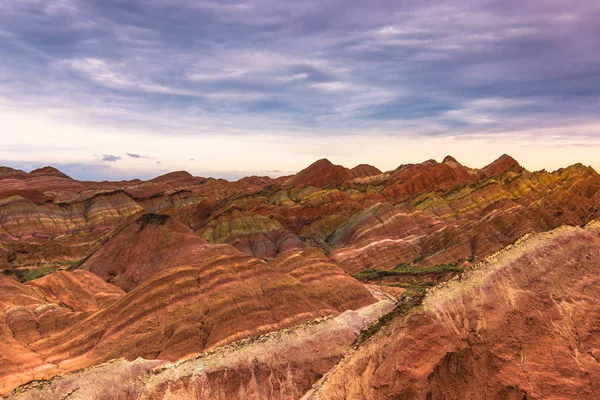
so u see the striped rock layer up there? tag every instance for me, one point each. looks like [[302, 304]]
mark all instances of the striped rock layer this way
[[522, 324], [168, 295], [171, 267]]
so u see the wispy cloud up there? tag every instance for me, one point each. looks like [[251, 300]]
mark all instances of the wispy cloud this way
[[110, 158], [134, 155]]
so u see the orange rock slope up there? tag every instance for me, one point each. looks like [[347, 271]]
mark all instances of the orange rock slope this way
[[185, 296], [279, 365]]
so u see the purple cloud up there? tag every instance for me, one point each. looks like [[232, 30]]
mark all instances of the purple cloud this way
[[196, 68]]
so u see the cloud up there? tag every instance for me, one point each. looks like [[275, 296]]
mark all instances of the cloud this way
[[100, 72], [134, 155], [292, 78], [331, 86], [110, 158], [291, 69]]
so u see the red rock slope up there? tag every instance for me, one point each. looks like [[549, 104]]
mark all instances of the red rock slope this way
[[186, 296], [521, 325]]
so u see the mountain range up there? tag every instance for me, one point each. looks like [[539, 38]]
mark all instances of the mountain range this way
[[430, 281]]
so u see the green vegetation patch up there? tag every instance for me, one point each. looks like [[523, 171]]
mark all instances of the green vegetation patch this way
[[43, 269], [408, 270], [403, 307], [26, 275], [418, 259], [73, 265], [413, 288]]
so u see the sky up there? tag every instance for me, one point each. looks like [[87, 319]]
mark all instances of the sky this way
[[109, 89]]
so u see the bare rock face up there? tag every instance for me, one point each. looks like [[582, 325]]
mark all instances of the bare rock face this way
[[436, 213], [140, 248], [23, 218], [523, 324], [34, 312], [252, 233], [279, 365], [429, 176], [11, 173], [48, 171], [78, 290], [180, 177]]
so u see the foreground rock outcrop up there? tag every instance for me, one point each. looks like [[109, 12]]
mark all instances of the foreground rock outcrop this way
[[280, 365], [523, 324]]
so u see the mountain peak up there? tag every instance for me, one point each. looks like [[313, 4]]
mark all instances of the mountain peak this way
[[11, 173], [449, 159], [363, 170], [507, 159], [503, 163], [321, 162], [321, 173], [48, 171], [172, 176]]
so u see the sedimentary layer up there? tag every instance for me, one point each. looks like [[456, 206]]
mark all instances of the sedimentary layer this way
[[522, 324], [279, 365]]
